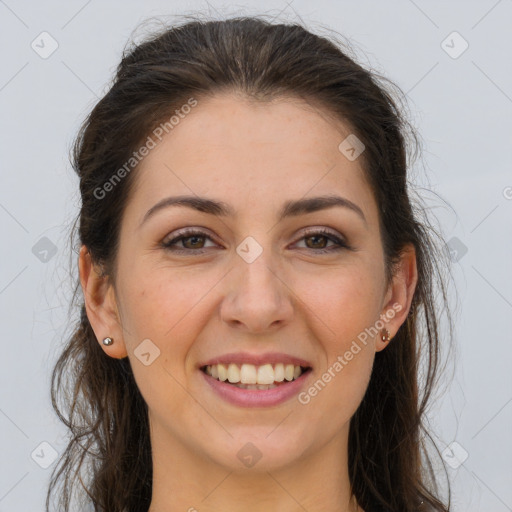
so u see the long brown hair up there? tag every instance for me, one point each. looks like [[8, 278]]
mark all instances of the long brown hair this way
[[389, 463]]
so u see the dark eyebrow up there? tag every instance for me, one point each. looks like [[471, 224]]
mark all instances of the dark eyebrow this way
[[289, 209]]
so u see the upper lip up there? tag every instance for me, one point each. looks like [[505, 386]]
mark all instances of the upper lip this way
[[256, 359]]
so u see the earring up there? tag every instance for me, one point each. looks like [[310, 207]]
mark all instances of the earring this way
[[108, 341], [385, 337]]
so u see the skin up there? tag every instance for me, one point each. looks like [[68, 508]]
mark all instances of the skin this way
[[291, 299]]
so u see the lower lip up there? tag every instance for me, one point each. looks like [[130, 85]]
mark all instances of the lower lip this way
[[256, 397]]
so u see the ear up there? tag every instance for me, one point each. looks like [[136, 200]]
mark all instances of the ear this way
[[101, 306], [398, 298]]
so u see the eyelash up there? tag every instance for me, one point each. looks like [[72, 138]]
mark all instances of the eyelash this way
[[189, 233]]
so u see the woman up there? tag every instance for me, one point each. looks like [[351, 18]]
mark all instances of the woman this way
[[257, 290]]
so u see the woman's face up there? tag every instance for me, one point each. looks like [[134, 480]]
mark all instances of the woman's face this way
[[269, 278]]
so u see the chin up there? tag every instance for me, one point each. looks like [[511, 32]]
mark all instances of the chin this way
[[257, 450]]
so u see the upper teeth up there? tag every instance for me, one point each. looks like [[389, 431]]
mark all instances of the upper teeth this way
[[251, 374]]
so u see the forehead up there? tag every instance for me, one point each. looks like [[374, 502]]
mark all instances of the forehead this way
[[287, 127], [249, 151]]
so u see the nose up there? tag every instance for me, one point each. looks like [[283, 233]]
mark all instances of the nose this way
[[258, 298]]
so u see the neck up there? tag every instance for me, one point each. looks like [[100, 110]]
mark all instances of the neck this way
[[187, 481]]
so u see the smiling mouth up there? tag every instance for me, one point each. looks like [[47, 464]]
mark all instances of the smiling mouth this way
[[249, 376]]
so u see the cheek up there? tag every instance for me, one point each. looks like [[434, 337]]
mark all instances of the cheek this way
[[340, 386], [163, 306], [347, 305], [336, 393], [345, 301], [167, 312]]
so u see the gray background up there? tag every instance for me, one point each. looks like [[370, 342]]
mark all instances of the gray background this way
[[461, 103]]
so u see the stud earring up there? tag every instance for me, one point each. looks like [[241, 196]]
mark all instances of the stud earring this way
[[385, 337], [108, 341]]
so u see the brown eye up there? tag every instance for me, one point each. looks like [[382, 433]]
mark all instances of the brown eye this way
[[316, 244], [191, 241], [317, 241], [193, 244]]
